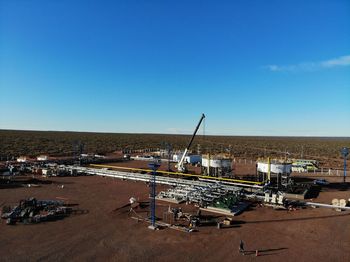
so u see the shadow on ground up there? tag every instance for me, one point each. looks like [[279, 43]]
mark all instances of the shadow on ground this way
[[264, 252]]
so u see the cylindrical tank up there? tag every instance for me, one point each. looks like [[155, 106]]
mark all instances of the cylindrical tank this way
[[276, 167], [216, 162], [275, 170], [216, 165]]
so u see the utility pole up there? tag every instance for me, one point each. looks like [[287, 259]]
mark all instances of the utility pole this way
[[302, 152], [345, 153], [169, 150]]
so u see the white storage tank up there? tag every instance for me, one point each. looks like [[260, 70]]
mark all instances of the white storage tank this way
[[216, 162], [217, 165], [42, 158], [276, 167], [22, 159], [275, 170]]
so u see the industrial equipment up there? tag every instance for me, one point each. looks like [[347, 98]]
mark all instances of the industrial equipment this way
[[180, 166], [280, 170], [154, 166], [345, 153], [321, 182], [217, 165], [305, 165], [32, 210]]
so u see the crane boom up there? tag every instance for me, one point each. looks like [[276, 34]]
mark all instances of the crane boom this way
[[180, 165]]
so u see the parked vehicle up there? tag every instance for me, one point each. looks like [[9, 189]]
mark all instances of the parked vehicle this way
[[321, 182]]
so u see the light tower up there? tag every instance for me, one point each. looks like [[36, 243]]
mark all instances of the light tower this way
[[154, 166], [345, 153]]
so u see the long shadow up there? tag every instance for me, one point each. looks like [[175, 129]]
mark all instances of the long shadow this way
[[144, 204], [272, 249], [294, 219], [8, 186], [80, 211], [265, 252], [303, 179], [121, 208], [210, 216], [71, 205], [238, 222], [313, 192], [338, 186], [230, 226], [16, 183], [251, 207]]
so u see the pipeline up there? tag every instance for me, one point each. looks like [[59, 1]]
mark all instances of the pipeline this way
[[207, 178], [326, 205], [143, 177]]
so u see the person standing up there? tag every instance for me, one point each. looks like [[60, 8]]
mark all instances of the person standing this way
[[241, 247]]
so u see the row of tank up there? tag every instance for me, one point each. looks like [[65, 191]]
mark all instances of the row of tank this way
[[221, 165], [213, 165], [220, 160]]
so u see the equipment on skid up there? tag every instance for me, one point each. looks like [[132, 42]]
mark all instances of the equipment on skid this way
[[32, 210]]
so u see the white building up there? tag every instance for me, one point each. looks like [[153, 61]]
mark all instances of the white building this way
[[190, 159], [22, 159], [46, 172], [193, 159], [99, 156], [276, 167], [42, 158], [177, 157]]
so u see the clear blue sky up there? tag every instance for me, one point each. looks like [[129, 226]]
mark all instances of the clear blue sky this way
[[253, 67]]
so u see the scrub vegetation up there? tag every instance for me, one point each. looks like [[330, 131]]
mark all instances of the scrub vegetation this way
[[32, 143]]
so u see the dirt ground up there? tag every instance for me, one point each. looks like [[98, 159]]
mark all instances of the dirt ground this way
[[104, 234]]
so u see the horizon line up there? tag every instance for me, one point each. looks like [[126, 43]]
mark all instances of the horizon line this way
[[152, 133]]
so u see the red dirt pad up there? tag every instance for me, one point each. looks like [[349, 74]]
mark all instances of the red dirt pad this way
[[105, 235]]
